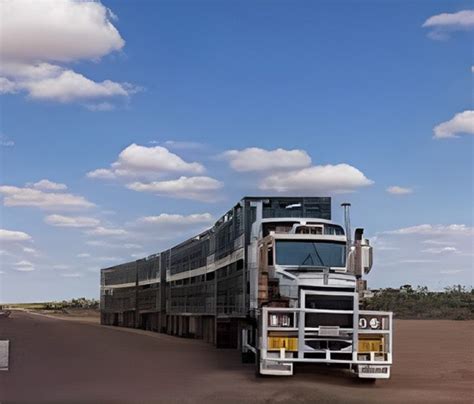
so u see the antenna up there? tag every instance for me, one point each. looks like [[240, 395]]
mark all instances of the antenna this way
[[347, 224]]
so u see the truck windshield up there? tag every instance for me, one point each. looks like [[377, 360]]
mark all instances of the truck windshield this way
[[310, 253]]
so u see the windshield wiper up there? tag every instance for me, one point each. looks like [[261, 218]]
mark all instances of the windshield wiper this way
[[317, 253], [308, 256]]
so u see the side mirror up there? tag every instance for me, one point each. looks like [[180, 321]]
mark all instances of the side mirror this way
[[350, 260], [366, 256]]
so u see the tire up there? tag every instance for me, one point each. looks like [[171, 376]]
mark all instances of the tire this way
[[248, 357], [257, 364], [366, 380]]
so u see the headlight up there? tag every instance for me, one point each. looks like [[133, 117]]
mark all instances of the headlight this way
[[362, 322], [279, 320], [374, 323]]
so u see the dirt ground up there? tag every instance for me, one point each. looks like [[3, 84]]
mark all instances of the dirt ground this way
[[53, 360]]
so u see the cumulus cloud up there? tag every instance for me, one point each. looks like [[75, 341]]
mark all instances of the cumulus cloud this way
[[37, 35], [461, 123], [198, 188], [71, 221], [52, 30], [8, 86], [142, 161], [11, 235], [338, 178], [70, 86], [256, 159], [17, 196], [441, 25], [397, 190], [48, 185]]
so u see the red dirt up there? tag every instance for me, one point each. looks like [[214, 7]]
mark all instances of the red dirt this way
[[53, 360]]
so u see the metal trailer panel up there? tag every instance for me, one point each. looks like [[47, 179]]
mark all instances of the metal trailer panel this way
[[206, 275]]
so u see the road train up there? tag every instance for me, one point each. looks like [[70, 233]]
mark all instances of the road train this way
[[274, 277]]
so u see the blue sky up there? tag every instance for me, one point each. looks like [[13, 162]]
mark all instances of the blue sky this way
[[187, 106]]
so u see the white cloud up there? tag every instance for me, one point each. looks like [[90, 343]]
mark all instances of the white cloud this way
[[451, 271], [138, 255], [24, 266], [71, 221], [198, 188], [35, 33], [4, 140], [57, 30], [397, 190], [83, 255], [106, 244], [71, 275], [461, 19], [256, 159], [436, 242], [461, 123], [106, 259], [417, 261], [329, 178], [172, 220], [472, 69], [136, 161], [7, 86], [442, 25], [441, 250], [25, 269], [16, 196], [430, 229], [48, 185], [70, 86], [101, 106], [10, 235], [29, 250], [423, 252], [104, 231]]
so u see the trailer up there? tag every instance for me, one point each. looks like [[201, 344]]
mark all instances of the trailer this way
[[274, 277]]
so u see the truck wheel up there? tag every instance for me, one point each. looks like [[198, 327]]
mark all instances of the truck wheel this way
[[248, 357], [366, 380], [257, 364]]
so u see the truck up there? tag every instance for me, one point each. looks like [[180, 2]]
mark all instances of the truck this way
[[274, 277]]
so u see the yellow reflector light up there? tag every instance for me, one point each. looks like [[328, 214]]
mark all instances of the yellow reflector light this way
[[276, 343], [370, 345]]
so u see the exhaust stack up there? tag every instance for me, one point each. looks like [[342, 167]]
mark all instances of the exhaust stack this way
[[347, 224]]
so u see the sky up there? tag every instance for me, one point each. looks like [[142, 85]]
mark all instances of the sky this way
[[128, 126]]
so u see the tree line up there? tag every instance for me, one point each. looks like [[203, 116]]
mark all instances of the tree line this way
[[407, 302]]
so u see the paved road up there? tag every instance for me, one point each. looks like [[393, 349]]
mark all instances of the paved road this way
[[65, 361]]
